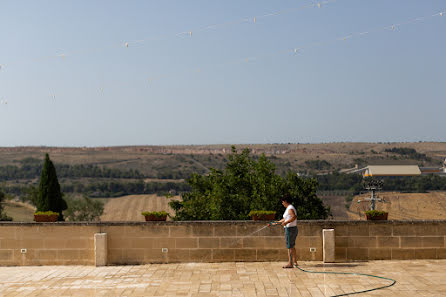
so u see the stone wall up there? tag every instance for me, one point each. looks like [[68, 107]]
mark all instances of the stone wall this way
[[143, 242], [391, 240], [46, 244], [205, 242]]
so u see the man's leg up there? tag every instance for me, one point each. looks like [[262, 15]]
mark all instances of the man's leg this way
[[287, 239], [294, 256], [290, 255]]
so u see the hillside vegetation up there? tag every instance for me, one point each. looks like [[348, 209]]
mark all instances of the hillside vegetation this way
[[175, 162], [147, 171]]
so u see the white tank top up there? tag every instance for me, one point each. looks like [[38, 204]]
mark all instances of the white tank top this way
[[287, 216]]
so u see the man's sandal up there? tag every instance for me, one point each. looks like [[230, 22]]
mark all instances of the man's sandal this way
[[287, 266]]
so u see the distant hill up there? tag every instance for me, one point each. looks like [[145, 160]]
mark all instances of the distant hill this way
[[130, 170], [177, 162]]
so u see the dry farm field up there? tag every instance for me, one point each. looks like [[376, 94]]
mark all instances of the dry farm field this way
[[20, 212], [129, 208], [403, 206]]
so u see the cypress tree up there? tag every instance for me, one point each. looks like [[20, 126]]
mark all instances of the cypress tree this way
[[50, 197]]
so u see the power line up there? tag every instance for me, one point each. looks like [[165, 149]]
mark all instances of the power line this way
[[298, 50], [188, 33], [343, 38], [358, 34]]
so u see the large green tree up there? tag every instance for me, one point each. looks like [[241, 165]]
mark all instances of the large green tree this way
[[247, 183], [303, 195], [49, 196]]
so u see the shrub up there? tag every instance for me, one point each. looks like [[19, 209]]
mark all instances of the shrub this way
[[349, 198], [260, 212], [46, 213], [3, 216], [375, 213], [157, 214], [409, 152], [318, 164], [85, 209]]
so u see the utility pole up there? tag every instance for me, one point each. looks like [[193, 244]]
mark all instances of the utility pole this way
[[373, 186]]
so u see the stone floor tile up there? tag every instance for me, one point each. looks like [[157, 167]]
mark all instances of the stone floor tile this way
[[414, 278]]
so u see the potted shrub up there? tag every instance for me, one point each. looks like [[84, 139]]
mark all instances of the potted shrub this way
[[376, 215], [155, 215], [46, 216], [262, 215]]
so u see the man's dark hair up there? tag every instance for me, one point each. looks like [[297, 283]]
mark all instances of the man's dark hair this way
[[286, 197]]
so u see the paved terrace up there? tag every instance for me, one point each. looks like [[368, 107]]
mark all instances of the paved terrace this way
[[414, 278]]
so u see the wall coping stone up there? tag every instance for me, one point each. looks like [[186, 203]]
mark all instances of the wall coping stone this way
[[325, 223]]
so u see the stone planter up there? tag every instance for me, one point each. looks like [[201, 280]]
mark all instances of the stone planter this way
[[377, 218], [155, 218], [263, 217], [46, 218]]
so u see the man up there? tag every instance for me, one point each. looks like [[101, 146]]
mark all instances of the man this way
[[289, 222]]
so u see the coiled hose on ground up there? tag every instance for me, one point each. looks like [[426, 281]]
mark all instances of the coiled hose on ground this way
[[344, 273], [353, 273]]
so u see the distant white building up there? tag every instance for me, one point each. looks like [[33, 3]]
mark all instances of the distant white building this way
[[391, 170], [396, 170]]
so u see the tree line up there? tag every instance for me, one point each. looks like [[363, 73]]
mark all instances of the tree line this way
[[328, 182], [354, 183], [120, 188], [105, 189], [31, 168], [409, 152]]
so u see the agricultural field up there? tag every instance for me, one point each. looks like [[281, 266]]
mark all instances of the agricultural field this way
[[20, 212], [129, 208], [403, 206]]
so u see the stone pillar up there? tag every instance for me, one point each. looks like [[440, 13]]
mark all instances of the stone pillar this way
[[328, 239], [100, 249]]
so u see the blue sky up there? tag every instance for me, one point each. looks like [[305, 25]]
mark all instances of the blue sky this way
[[169, 88]]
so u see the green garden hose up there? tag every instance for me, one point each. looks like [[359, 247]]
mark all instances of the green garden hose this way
[[353, 273], [348, 273]]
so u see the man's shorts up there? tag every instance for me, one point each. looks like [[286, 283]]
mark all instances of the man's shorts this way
[[290, 236]]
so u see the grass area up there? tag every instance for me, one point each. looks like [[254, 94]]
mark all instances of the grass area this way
[[18, 212]]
